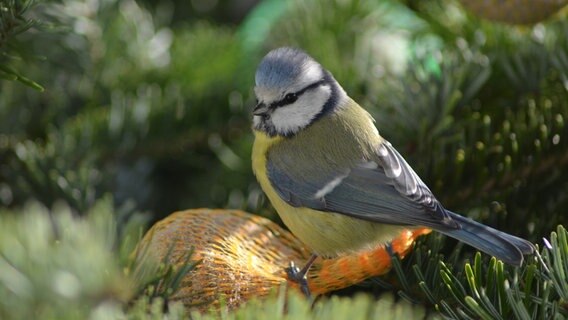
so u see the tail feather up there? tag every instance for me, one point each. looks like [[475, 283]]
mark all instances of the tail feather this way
[[499, 244]]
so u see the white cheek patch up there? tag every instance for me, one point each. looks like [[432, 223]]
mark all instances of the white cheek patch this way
[[294, 117]]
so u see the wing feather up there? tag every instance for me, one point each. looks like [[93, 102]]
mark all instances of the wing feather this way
[[384, 189]]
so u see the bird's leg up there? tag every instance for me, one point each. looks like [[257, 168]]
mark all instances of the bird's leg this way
[[299, 275]]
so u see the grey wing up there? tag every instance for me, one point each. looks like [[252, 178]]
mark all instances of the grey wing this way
[[384, 189]]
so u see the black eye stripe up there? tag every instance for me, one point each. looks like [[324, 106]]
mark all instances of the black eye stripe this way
[[311, 86], [292, 97]]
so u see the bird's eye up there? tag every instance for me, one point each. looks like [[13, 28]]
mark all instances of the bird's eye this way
[[290, 98]]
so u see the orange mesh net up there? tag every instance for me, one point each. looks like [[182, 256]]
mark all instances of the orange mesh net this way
[[244, 256]]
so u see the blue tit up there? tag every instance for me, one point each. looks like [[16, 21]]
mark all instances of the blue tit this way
[[336, 183]]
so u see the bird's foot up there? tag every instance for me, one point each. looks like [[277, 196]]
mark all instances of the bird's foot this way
[[299, 276]]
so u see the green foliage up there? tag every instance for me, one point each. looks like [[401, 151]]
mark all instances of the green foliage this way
[[294, 306], [116, 140], [485, 289], [13, 22], [55, 266]]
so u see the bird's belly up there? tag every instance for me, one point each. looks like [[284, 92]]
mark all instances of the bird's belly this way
[[332, 234]]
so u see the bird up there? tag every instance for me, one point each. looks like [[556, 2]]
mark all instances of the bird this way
[[335, 182]]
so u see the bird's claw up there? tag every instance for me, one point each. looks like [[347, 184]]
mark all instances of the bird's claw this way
[[295, 274]]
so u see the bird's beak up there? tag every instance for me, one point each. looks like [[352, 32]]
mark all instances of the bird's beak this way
[[260, 109]]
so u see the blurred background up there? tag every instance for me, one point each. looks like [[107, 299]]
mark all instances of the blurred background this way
[[147, 103]]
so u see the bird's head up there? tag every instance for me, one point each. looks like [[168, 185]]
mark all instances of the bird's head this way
[[292, 91]]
